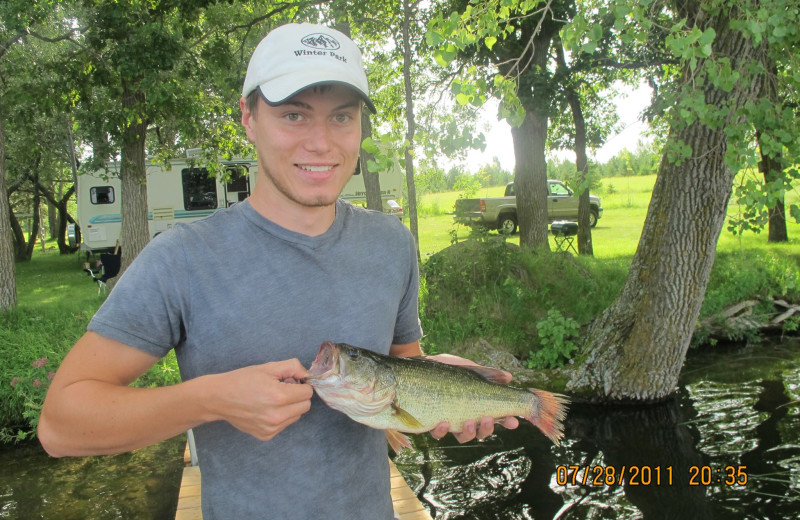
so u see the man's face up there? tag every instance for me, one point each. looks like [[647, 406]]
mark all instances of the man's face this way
[[308, 146]]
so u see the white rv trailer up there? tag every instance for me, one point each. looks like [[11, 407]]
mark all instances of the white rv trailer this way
[[182, 193]]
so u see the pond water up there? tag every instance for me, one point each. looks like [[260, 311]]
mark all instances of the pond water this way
[[727, 447], [140, 485]]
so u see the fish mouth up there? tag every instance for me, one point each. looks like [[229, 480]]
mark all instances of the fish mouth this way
[[326, 363]]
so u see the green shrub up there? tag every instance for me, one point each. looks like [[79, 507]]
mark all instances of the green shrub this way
[[487, 288], [555, 334]]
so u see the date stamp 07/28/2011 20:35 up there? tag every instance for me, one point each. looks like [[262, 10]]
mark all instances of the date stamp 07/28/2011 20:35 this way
[[603, 475]]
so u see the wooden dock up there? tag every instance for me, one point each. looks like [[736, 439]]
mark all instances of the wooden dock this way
[[406, 504]]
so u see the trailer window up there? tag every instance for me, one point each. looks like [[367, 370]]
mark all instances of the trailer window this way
[[101, 195], [199, 190]]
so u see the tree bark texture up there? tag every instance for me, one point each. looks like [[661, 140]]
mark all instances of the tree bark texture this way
[[771, 168], [8, 278], [133, 176], [635, 349], [530, 180]]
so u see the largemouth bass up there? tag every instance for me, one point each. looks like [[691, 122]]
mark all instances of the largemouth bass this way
[[414, 395]]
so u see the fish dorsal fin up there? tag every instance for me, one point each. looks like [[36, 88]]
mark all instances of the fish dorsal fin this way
[[405, 418], [490, 374], [495, 375]]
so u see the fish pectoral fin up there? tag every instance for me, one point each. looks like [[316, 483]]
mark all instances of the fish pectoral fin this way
[[397, 440], [405, 418]]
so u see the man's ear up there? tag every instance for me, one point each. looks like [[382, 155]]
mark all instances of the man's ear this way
[[248, 120]]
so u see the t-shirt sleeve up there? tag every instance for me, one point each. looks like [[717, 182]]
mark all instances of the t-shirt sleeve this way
[[408, 328], [146, 309]]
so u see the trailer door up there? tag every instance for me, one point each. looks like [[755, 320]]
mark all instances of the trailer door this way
[[238, 187]]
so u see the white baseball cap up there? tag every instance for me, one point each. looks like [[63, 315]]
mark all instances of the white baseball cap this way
[[294, 57]]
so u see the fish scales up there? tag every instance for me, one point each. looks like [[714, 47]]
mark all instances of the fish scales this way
[[433, 392]]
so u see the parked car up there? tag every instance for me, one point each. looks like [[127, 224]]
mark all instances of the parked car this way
[[501, 212], [391, 207]]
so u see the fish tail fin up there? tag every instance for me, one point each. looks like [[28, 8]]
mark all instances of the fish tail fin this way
[[397, 440], [548, 412]]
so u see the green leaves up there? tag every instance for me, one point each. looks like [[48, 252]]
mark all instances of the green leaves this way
[[691, 45], [470, 92], [481, 25], [386, 152]]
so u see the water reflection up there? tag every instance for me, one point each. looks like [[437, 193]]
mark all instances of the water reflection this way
[[735, 418], [138, 485]]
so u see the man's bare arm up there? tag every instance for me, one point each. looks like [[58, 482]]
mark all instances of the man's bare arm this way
[[91, 410]]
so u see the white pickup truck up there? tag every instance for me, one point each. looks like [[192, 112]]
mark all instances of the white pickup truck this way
[[501, 212]]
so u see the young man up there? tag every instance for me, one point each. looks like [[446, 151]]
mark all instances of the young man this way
[[246, 297]]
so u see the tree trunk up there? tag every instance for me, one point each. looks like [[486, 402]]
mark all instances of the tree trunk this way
[[535, 94], [8, 278], [771, 164], [635, 349], [52, 220], [18, 234], [772, 170], [133, 176], [372, 181], [34, 231], [581, 161], [530, 180], [62, 215], [73, 163], [409, 159]]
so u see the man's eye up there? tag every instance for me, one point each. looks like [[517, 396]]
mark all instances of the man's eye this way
[[294, 116], [342, 118]]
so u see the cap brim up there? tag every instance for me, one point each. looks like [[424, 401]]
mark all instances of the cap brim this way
[[274, 95]]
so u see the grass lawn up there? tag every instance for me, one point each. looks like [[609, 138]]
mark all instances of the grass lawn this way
[[625, 201]]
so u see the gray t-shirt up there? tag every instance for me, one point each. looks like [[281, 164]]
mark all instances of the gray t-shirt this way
[[234, 290]]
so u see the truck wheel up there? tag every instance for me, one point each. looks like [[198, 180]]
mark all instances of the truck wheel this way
[[508, 225], [593, 217]]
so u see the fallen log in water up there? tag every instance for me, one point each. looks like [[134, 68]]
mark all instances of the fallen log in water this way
[[767, 316]]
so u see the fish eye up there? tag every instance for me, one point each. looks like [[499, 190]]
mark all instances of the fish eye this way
[[352, 354]]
